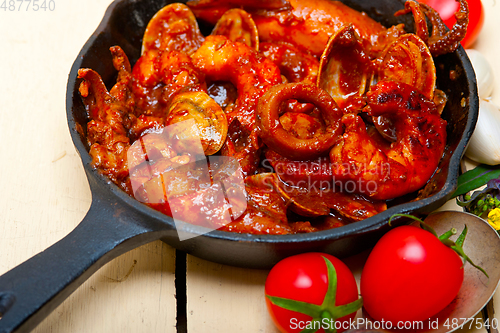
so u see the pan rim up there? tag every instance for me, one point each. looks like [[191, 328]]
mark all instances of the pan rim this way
[[370, 224]]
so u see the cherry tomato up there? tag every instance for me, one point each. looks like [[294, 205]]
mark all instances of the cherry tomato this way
[[315, 284], [447, 10], [410, 275]]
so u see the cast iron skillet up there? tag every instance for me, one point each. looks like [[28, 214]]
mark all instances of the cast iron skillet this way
[[117, 223]]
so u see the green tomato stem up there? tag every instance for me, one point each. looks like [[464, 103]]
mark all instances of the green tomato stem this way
[[456, 246], [327, 309], [448, 234], [327, 315]]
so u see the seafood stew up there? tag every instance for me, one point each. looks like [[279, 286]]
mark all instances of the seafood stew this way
[[308, 134]]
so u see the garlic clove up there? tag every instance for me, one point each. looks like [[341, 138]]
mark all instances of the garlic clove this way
[[484, 73], [484, 145]]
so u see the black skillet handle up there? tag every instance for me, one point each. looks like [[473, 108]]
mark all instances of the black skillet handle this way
[[32, 290]]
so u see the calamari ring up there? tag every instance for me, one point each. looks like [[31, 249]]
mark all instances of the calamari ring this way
[[277, 138]]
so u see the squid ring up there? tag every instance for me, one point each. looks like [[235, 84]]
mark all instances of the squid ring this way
[[273, 134]]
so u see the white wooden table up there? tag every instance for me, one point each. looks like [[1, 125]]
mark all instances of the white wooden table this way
[[44, 192]]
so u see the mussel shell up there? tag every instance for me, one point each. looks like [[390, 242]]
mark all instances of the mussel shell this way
[[344, 70], [208, 115], [174, 27], [408, 60], [237, 25]]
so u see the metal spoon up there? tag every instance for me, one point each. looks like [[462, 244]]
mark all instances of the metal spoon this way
[[482, 245]]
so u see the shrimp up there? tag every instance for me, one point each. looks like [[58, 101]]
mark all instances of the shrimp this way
[[252, 74], [183, 96], [158, 76], [106, 134], [223, 60], [165, 68], [391, 170], [122, 90], [108, 111]]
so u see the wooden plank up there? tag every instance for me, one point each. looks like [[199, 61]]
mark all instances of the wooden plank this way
[[44, 190], [133, 293], [223, 298], [226, 299]]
